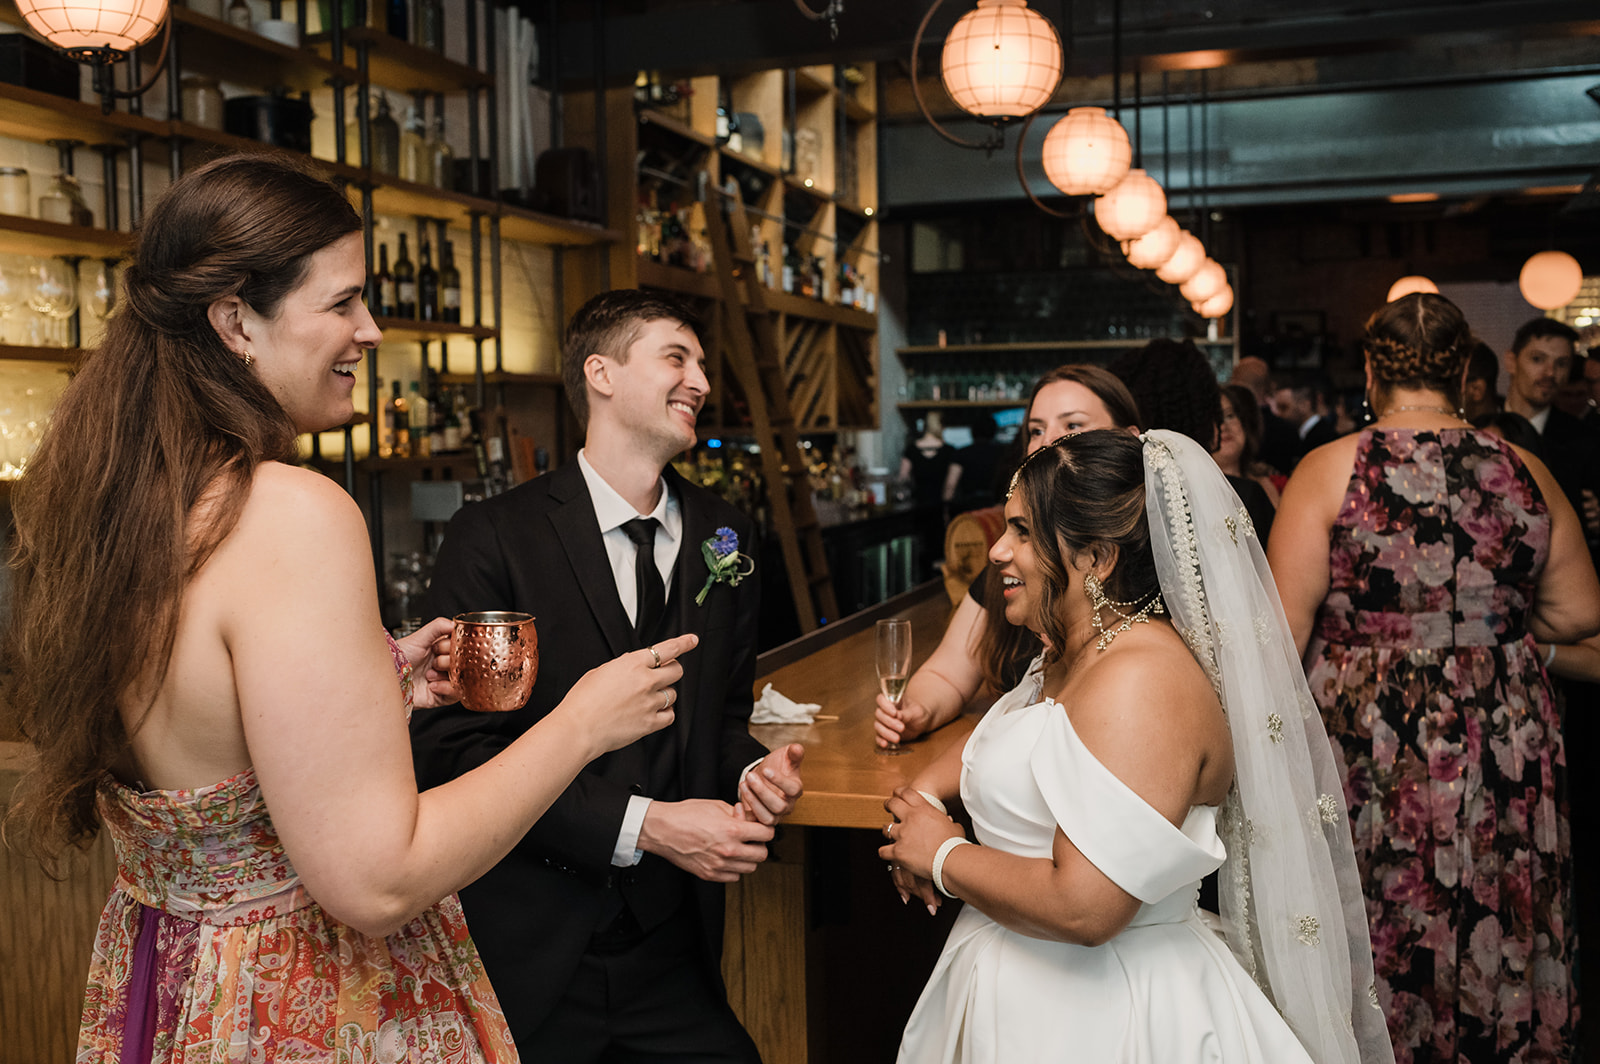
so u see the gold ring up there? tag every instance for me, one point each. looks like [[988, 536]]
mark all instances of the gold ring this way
[[656, 656]]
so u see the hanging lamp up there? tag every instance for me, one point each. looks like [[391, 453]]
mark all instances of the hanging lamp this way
[[95, 31], [1218, 305], [1132, 208], [1185, 262], [1087, 152], [1208, 280], [1001, 61], [1550, 279], [1153, 249], [1406, 285]]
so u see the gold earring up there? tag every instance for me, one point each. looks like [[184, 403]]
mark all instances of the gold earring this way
[[248, 360]]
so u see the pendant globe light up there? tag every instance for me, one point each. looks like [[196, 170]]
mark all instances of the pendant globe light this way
[[1154, 248], [1550, 279], [1406, 285], [1210, 279], [1217, 305], [1087, 152], [1185, 262], [1001, 60], [95, 31], [1131, 209]]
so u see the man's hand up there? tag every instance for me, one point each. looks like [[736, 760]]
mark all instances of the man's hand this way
[[710, 839], [769, 790]]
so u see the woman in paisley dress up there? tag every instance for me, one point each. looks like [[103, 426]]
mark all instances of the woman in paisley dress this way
[[1418, 561], [198, 660]]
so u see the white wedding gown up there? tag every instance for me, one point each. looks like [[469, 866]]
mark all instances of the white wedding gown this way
[[1166, 990]]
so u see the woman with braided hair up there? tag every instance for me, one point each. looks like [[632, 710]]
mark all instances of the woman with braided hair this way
[[198, 661], [1418, 561]]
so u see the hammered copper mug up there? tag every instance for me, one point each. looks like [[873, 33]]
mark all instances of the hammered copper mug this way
[[494, 659]]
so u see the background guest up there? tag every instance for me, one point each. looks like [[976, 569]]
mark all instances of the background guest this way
[[1418, 561], [1480, 392], [1239, 442]]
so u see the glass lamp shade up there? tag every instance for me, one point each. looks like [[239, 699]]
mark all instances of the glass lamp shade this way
[[1001, 60], [87, 26], [1087, 152], [1406, 285], [1210, 279], [1217, 305], [1550, 279], [1155, 247], [1132, 208], [1185, 262]]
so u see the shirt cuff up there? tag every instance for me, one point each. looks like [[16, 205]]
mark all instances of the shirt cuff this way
[[627, 854], [746, 771]]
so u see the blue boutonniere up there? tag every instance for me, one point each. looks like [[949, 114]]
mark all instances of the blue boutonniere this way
[[725, 562]]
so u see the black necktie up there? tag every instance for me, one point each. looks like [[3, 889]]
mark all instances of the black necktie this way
[[649, 596]]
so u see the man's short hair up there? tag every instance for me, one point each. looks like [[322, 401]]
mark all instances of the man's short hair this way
[[608, 324], [1540, 329]]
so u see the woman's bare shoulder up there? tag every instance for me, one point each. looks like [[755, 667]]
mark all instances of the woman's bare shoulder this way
[[296, 508]]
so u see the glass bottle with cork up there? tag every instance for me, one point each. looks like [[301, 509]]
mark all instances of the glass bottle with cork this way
[[405, 283]]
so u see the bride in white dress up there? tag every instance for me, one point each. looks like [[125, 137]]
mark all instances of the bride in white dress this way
[[1138, 756]]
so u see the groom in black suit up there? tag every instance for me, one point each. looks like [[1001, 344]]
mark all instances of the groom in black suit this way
[[602, 929]]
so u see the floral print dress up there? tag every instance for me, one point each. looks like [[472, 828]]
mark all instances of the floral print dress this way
[[210, 950], [1429, 683]]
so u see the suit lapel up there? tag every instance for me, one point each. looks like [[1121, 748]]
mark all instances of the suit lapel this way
[[689, 577], [579, 532]]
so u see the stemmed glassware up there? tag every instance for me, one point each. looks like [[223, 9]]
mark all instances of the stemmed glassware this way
[[894, 665], [54, 296]]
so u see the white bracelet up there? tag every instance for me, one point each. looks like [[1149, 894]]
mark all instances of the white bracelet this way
[[938, 861], [1549, 655], [934, 801]]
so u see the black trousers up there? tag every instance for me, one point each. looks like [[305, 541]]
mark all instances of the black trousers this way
[[651, 1000]]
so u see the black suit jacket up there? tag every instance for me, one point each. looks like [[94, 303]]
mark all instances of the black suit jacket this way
[[1572, 451], [1322, 432], [538, 549]]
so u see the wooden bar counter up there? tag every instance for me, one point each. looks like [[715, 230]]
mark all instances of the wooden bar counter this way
[[775, 976]]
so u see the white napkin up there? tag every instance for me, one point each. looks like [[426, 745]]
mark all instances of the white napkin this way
[[774, 708]]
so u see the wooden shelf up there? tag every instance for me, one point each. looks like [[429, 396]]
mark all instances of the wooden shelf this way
[[222, 50], [34, 236], [677, 279], [1045, 345], [753, 161], [533, 227], [398, 64], [28, 114], [410, 330], [808, 84], [855, 110], [801, 307], [66, 356], [672, 125]]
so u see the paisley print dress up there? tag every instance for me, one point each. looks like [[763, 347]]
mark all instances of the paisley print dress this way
[[1429, 682], [210, 950]]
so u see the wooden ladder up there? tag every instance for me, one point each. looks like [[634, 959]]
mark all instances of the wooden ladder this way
[[752, 347]]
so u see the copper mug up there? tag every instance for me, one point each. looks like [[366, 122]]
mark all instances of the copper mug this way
[[494, 659]]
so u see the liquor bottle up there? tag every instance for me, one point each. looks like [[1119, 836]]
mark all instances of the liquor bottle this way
[[452, 425], [430, 25], [398, 21], [399, 423], [383, 425], [427, 286], [415, 163], [724, 115], [417, 421], [807, 279], [790, 258], [239, 14], [436, 416], [847, 285], [383, 286], [385, 138], [440, 158], [405, 283], [735, 134], [449, 285]]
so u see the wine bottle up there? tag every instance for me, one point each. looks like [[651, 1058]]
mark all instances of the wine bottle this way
[[449, 285], [417, 421], [416, 164], [430, 25], [789, 261], [385, 135], [405, 283], [436, 416], [441, 159], [427, 286], [382, 304], [399, 423], [724, 115]]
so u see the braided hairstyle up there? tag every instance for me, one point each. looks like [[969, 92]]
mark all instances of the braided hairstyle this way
[[160, 417], [1419, 341]]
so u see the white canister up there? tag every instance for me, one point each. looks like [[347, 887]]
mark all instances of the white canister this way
[[282, 30], [15, 197]]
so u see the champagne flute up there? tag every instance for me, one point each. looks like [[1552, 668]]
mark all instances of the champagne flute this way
[[894, 666]]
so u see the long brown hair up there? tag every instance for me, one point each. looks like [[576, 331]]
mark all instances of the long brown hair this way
[[1005, 649], [161, 415]]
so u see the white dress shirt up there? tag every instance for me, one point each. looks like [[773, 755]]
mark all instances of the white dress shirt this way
[[612, 511], [1540, 420]]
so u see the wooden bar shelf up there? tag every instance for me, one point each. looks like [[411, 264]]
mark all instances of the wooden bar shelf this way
[[34, 236]]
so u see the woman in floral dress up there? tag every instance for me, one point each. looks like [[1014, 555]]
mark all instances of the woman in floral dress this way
[[1418, 561], [197, 657]]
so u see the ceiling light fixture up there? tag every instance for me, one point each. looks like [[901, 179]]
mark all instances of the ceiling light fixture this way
[[1133, 207], [1406, 285], [1550, 279], [1000, 62], [101, 32]]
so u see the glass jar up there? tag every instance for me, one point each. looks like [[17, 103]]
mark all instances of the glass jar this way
[[15, 197], [202, 101]]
